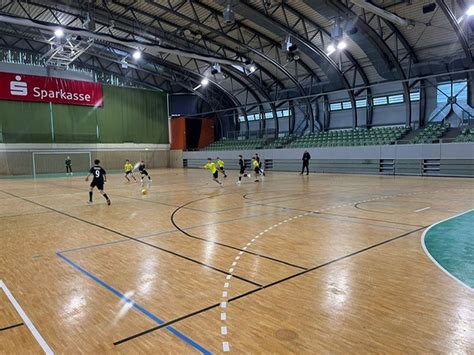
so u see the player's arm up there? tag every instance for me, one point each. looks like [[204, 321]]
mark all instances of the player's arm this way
[[87, 177], [105, 175]]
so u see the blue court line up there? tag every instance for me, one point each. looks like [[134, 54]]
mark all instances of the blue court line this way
[[135, 305]]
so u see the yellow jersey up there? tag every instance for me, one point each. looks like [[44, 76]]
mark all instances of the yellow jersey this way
[[220, 163], [128, 167], [255, 164], [211, 166]]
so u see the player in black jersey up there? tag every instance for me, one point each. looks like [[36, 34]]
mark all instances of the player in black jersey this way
[[98, 180], [242, 169], [144, 173]]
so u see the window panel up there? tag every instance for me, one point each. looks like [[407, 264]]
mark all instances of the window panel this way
[[380, 100], [395, 99], [346, 105], [361, 103], [336, 106], [269, 115], [414, 96]]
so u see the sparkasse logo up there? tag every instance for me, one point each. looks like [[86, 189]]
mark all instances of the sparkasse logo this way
[[18, 87], [34, 88]]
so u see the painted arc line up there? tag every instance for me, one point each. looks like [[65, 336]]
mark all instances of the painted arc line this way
[[425, 249], [135, 305], [422, 209], [47, 350]]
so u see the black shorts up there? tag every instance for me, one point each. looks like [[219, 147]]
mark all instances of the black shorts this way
[[216, 175], [128, 172], [144, 172], [98, 184], [257, 170], [242, 171]]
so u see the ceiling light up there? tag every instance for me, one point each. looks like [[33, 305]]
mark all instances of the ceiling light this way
[[470, 11], [252, 68], [228, 13], [330, 49], [205, 82], [137, 55], [59, 33], [341, 45]]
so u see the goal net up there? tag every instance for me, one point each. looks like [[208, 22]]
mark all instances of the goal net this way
[[53, 163]]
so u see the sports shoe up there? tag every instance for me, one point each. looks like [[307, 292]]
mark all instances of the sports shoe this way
[[239, 182], [89, 202], [108, 202]]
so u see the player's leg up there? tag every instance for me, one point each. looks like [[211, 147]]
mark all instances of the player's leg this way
[[90, 193], [307, 168], [101, 190], [223, 172], [126, 176], [215, 177]]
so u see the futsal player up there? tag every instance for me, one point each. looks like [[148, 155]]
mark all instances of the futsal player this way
[[98, 180], [259, 164], [211, 166], [242, 169], [68, 164], [220, 166], [128, 167], [143, 173], [256, 168]]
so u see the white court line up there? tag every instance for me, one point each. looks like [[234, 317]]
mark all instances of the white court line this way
[[422, 209], [433, 259], [47, 350]]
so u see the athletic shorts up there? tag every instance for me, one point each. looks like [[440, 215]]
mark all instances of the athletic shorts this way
[[98, 184], [144, 172], [257, 169], [216, 175], [242, 171], [128, 172]]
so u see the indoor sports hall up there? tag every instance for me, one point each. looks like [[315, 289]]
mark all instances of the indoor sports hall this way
[[236, 176]]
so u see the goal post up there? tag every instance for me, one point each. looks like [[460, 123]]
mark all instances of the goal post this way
[[45, 163]]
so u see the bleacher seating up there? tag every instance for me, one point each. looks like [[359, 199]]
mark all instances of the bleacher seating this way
[[237, 144], [466, 136], [431, 133], [281, 142], [350, 137]]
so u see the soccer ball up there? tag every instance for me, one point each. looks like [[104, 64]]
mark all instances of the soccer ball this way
[[144, 191]]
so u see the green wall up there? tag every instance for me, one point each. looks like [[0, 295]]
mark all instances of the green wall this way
[[128, 115]]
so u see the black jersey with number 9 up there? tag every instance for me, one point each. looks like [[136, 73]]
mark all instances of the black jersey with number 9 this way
[[98, 172]]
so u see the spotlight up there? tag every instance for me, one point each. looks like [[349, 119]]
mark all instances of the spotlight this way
[[205, 82], [252, 68], [470, 11], [58, 33], [137, 55], [228, 13], [216, 68], [341, 45], [330, 49]]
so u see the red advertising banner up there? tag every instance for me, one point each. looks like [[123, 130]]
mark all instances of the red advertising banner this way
[[21, 87]]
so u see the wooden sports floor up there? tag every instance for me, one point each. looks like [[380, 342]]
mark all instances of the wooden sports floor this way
[[293, 264]]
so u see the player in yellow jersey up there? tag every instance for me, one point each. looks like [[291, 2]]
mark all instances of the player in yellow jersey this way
[[220, 166], [128, 167], [256, 168], [213, 169]]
